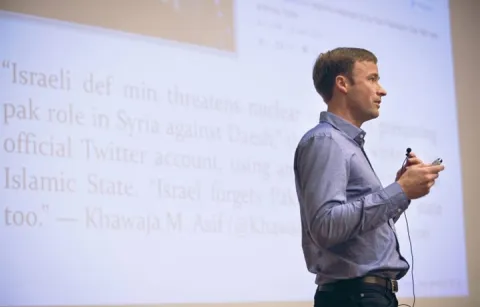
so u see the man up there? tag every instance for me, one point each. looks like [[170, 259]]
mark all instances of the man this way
[[347, 217]]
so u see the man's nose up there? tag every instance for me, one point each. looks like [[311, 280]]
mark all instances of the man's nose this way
[[381, 91]]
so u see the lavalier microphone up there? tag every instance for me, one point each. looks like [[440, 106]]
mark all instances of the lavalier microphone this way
[[404, 165]]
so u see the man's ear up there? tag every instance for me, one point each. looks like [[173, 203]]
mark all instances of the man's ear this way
[[341, 83]]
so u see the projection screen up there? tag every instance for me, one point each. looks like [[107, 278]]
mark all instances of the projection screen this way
[[147, 147]]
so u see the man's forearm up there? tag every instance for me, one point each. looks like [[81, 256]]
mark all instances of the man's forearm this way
[[335, 223]]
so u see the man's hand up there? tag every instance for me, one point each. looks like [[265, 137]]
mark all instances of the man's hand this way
[[412, 160], [418, 179]]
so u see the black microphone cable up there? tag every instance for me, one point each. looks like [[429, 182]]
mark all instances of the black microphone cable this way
[[404, 165]]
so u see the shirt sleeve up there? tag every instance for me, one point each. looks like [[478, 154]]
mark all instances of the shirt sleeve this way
[[322, 171], [399, 213]]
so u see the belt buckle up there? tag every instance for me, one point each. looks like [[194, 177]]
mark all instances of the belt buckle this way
[[394, 285]]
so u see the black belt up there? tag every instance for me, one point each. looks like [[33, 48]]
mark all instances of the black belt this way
[[389, 284]]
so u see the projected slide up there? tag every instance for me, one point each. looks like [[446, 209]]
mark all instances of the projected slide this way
[[147, 150]]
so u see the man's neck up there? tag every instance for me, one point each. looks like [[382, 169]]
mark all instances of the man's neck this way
[[345, 114]]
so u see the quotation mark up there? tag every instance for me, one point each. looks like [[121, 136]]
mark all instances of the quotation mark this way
[[6, 64]]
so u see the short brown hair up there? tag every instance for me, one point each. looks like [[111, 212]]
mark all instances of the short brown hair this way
[[336, 62]]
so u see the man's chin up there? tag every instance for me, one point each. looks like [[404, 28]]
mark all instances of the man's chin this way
[[375, 114], [369, 115]]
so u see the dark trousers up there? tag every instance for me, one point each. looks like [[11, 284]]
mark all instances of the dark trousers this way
[[361, 295]]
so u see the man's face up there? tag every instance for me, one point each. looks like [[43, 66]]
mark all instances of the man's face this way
[[364, 95]]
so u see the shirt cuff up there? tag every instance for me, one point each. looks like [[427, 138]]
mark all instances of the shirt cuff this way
[[398, 199]]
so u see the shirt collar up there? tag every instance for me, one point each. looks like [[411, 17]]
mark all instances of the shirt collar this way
[[355, 133]]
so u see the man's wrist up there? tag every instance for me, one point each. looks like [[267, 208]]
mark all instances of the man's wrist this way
[[399, 200]]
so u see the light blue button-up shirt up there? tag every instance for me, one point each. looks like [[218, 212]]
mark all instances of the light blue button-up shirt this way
[[347, 216]]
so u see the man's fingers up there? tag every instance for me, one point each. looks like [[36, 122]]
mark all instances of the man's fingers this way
[[432, 177], [413, 161], [435, 169]]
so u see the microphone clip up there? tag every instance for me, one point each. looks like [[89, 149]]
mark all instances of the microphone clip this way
[[409, 150]]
